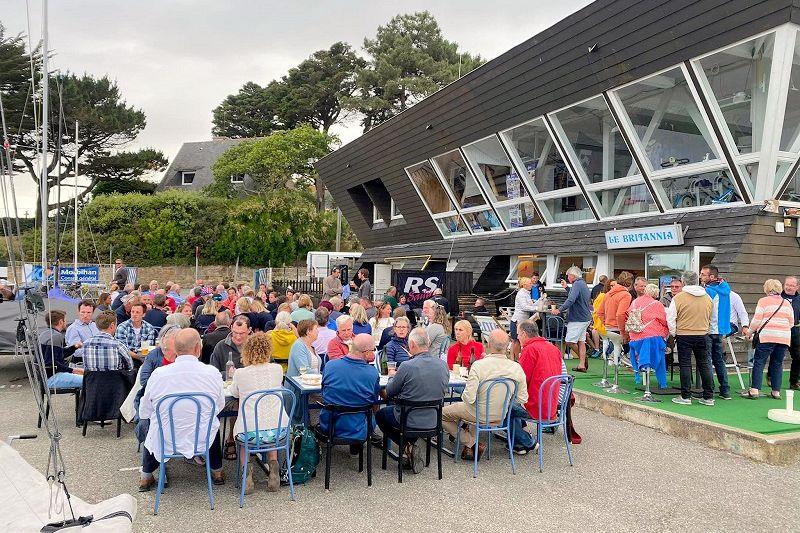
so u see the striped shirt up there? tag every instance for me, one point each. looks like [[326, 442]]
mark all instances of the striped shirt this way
[[104, 352], [778, 329]]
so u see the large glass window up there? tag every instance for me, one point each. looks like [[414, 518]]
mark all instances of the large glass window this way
[[587, 264], [526, 266], [708, 188], [739, 78], [595, 140], [480, 221], [451, 226], [790, 136], [568, 208], [521, 215], [430, 188], [625, 200], [495, 170], [792, 192], [459, 179], [538, 155], [661, 266], [667, 120]]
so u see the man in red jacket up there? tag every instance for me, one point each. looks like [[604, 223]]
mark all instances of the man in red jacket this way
[[539, 360]]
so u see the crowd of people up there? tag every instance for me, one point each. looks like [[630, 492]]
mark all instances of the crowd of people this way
[[231, 340], [635, 322]]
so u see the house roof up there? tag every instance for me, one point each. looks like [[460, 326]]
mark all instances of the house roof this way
[[197, 157]]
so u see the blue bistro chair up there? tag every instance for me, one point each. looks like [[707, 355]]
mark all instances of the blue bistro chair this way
[[200, 400], [555, 330], [484, 425], [261, 441], [546, 393]]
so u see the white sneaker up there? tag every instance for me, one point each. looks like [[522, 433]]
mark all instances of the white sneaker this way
[[709, 402], [681, 400]]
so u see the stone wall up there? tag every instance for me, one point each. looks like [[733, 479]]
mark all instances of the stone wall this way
[[185, 275]]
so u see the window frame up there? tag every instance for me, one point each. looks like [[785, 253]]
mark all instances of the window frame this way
[[183, 177]]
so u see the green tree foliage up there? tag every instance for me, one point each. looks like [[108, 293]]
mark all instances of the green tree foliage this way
[[317, 87], [107, 124], [125, 186], [252, 112], [164, 228], [311, 93], [409, 60], [274, 162]]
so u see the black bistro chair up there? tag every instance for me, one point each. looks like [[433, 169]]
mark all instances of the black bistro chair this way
[[329, 439], [42, 384], [102, 395], [407, 433]]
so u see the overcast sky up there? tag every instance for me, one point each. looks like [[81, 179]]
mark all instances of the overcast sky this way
[[178, 59]]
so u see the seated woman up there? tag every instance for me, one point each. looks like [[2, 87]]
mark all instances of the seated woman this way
[[381, 321], [207, 315], [302, 355], [283, 336], [305, 309], [258, 374], [260, 318], [360, 320], [466, 350], [397, 347]]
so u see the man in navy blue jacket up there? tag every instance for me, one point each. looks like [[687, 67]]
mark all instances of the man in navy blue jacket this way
[[578, 307], [351, 381]]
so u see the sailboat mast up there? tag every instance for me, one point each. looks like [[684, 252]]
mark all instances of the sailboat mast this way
[[43, 192], [75, 213]]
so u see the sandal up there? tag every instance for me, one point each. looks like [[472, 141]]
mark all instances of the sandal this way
[[775, 395], [749, 395], [230, 451], [578, 369]]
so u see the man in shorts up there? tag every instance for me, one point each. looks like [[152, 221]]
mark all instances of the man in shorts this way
[[578, 307]]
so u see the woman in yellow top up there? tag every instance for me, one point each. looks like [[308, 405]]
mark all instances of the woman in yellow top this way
[[598, 328], [283, 336]]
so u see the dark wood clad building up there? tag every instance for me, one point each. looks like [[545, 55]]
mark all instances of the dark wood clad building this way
[[624, 119]]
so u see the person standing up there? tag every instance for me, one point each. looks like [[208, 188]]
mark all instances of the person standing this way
[[688, 318], [675, 286], [720, 293], [790, 294], [523, 308], [365, 288], [121, 273], [332, 285], [772, 323], [578, 307], [422, 378]]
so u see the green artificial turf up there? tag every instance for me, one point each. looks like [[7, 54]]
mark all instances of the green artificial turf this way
[[741, 413]]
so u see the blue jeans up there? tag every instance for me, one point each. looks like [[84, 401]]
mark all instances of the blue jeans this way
[[775, 352], [519, 415], [714, 349], [65, 380]]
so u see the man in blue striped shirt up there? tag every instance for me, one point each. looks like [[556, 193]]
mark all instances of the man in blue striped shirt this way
[[103, 351]]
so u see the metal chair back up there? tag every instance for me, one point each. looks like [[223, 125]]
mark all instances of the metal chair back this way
[[556, 389], [485, 424], [281, 440], [406, 408], [555, 329], [200, 401]]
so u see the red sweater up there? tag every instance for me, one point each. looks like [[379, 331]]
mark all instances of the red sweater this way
[[540, 360], [465, 350]]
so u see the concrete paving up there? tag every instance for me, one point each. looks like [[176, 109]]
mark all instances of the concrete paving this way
[[626, 478]]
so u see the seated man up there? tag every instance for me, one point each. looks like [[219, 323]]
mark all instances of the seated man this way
[[103, 351], [82, 329], [539, 360], [134, 331], [59, 374], [480, 308], [338, 346], [186, 374], [161, 356], [422, 378], [156, 316], [495, 364], [351, 381]]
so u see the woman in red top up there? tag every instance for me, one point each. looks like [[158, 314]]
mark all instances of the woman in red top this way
[[465, 350]]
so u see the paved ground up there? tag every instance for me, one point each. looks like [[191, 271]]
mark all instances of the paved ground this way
[[626, 478]]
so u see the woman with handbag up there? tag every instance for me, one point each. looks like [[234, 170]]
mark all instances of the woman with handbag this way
[[771, 332]]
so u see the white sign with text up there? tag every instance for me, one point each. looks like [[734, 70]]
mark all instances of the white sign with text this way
[[653, 236]]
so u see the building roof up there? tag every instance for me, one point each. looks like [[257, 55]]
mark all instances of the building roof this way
[[197, 157]]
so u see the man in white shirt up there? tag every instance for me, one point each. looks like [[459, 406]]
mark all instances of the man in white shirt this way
[[82, 329], [186, 374]]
